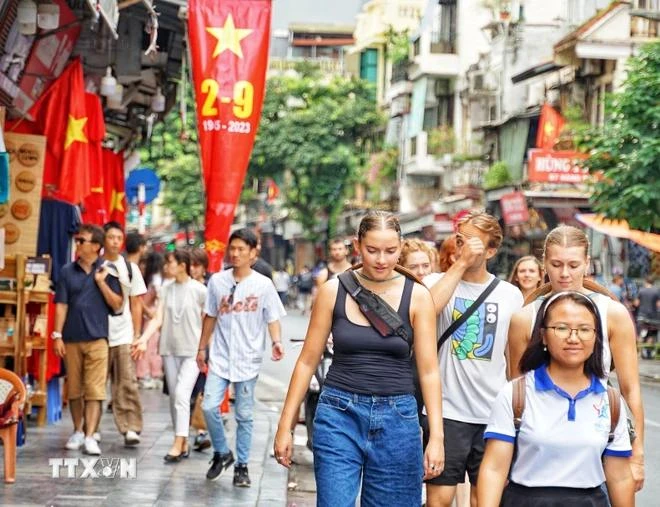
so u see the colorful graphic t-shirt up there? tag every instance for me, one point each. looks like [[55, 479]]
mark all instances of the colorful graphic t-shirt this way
[[472, 362]]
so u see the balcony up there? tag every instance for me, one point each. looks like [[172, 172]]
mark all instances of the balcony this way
[[434, 55], [327, 65], [420, 162]]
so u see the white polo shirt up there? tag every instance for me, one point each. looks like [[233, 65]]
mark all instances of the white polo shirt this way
[[562, 439]]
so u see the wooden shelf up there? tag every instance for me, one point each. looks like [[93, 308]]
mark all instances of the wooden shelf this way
[[7, 349], [32, 296], [8, 297]]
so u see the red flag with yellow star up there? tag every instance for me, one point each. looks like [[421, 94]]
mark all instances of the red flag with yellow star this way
[[95, 205], [114, 186], [550, 125], [61, 115], [229, 50]]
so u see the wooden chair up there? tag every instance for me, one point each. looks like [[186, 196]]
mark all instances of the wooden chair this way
[[12, 399]]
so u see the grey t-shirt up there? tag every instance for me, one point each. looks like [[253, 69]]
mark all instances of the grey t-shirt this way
[[182, 318]]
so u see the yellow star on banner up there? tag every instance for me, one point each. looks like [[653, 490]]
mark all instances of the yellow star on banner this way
[[74, 131], [116, 201], [229, 37]]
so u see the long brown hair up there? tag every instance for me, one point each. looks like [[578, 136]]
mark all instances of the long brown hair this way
[[513, 278]]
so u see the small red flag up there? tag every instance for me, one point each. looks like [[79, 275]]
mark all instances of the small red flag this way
[[550, 125], [272, 191], [115, 185]]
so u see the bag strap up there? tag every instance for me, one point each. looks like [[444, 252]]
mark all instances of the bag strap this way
[[518, 401], [614, 398], [467, 313], [379, 313]]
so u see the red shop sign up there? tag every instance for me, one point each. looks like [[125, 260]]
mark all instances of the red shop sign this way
[[514, 208], [556, 166]]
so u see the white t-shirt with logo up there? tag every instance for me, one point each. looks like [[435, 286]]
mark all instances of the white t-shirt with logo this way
[[120, 331], [182, 318], [562, 439], [240, 334], [472, 362]]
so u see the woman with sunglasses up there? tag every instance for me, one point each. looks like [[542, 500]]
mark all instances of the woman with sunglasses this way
[[179, 318], [564, 450]]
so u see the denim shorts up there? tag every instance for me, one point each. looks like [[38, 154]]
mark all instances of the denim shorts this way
[[372, 442]]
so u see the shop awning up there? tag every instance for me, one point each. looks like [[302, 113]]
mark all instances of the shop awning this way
[[620, 229]]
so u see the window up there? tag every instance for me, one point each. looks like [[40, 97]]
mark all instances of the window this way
[[369, 65], [442, 111], [443, 34]]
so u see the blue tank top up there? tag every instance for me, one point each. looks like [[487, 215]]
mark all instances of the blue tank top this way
[[365, 362]]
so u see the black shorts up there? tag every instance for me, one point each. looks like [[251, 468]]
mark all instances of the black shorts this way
[[464, 450], [516, 495]]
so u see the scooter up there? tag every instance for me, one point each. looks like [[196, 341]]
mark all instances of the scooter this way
[[314, 390]]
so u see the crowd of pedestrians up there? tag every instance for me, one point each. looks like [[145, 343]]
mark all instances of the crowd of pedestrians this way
[[469, 383]]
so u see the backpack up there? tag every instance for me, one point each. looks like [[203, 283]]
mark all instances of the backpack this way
[[518, 405], [306, 281]]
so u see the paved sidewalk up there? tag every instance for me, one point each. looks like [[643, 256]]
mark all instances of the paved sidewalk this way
[[182, 484], [649, 370]]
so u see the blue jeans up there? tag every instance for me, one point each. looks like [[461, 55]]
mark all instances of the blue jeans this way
[[214, 392], [372, 439]]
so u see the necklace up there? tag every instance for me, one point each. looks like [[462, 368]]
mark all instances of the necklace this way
[[398, 275]]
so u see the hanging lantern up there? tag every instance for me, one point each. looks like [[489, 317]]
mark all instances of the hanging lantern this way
[[48, 16], [27, 17], [108, 83]]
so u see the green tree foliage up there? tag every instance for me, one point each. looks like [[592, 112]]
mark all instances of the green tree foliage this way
[[312, 137], [497, 175], [174, 153], [627, 148]]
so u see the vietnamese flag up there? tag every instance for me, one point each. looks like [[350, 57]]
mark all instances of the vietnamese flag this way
[[550, 125], [95, 205], [60, 114], [272, 191], [114, 186], [229, 55]]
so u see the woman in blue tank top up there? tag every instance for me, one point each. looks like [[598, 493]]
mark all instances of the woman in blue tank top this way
[[366, 433]]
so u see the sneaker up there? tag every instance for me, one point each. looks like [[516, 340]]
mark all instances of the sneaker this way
[[97, 436], [202, 442], [241, 477], [92, 447], [219, 463], [75, 441], [131, 438]]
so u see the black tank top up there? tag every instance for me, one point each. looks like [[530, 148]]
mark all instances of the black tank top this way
[[365, 362]]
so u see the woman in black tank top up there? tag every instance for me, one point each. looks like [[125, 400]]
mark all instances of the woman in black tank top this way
[[366, 434]]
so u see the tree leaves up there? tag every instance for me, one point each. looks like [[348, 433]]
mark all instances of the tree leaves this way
[[312, 135], [626, 150]]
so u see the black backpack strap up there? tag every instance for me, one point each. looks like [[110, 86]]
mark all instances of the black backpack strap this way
[[467, 313]]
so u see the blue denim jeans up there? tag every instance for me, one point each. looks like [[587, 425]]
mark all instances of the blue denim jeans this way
[[214, 392], [372, 440]]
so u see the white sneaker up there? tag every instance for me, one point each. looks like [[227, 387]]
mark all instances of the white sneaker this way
[[97, 436], [131, 438], [75, 441], [92, 446]]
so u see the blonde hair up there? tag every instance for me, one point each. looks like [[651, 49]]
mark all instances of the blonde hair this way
[[486, 223], [514, 272], [566, 236], [414, 245]]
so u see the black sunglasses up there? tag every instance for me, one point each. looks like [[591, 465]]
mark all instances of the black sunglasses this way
[[82, 241], [231, 294]]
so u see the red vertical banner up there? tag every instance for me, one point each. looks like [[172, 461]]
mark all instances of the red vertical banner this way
[[229, 50]]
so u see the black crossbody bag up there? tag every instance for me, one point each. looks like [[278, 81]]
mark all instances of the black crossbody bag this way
[[378, 312]]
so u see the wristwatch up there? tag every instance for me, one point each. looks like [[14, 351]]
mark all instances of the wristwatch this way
[[56, 335]]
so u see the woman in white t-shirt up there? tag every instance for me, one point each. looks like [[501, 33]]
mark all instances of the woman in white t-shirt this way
[[563, 448], [179, 317]]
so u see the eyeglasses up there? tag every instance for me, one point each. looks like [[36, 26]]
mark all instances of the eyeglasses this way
[[584, 333], [82, 241], [231, 294]]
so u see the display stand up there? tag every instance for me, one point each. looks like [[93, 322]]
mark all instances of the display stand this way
[[24, 286]]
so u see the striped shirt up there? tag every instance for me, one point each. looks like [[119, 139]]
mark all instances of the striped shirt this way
[[243, 311]]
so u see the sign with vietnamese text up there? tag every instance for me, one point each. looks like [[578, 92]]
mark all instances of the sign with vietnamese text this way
[[514, 208], [547, 166]]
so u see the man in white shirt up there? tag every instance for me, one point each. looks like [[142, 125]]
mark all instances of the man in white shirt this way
[[472, 361], [241, 306], [124, 328]]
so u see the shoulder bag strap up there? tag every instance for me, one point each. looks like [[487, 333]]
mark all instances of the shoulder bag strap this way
[[348, 281], [518, 401], [615, 410], [467, 313]]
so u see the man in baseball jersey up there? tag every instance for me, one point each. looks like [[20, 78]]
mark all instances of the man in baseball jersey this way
[[241, 305]]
